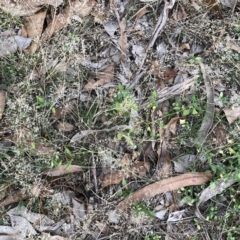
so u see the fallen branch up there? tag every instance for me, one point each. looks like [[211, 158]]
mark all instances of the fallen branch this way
[[170, 92], [160, 25], [209, 114], [165, 185], [208, 193]]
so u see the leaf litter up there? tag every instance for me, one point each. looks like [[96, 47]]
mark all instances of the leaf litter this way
[[157, 74]]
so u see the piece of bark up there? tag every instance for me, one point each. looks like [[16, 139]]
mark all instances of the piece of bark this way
[[165, 185]]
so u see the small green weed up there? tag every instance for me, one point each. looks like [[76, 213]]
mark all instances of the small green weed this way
[[141, 208], [152, 237], [124, 102], [125, 192]]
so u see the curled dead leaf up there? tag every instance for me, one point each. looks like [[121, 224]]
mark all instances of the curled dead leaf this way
[[65, 127], [20, 195], [34, 27], [232, 114], [165, 185], [26, 7], [104, 77], [138, 169], [61, 20], [62, 170], [2, 102], [213, 6], [210, 192], [140, 13], [62, 112]]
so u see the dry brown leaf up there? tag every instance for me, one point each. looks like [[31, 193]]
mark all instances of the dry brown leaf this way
[[26, 7], [137, 169], [128, 158], [165, 185], [104, 77], [61, 20], [23, 32], [169, 72], [62, 112], [213, 6], [65, 127], [62, 170], [209, 192], [24, 137], [19, 195], [3, 95], [233, 45], [83, 7], [140, 13], [123, 38], [34, 26], [185, 47], [232, 114]]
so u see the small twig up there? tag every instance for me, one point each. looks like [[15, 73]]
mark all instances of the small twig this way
[[160, 25], [209, 114]]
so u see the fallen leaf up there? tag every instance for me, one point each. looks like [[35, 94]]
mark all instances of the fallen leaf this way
[[24, 138], [232, 114], [164, 166], [62, 112], [79, 136], [123, 38], [229, 3], [176, 216], [26, 229], [185, 47], [140, 13], [213, 6], [34, 27], [104, 77], [83, 7], [61, 20], [26, 7], [232, 44], [79, 209], [138, 169], [210, 192], [128, 158], [9, 43], [19, 195], [47, 236], [62, 170], [65, 127], [6, 230], [3, 95], [165, 185], [103, 228], [58, 22]]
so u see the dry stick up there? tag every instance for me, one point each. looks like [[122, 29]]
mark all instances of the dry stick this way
[[209, 114], [160, 25]]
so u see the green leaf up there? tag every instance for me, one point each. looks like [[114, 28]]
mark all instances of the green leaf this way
[[120, 87], [40, 100], [194, 111], [124, 183], [186, 112], [33, 145]]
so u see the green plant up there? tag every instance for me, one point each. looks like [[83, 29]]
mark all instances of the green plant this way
[[125, 192], [141, 208], [189, 196], [41, 103], [152, 237], [153, 100], [124, 102], [194, 107]]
